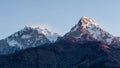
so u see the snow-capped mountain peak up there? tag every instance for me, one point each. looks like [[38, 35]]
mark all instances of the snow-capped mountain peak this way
[[88, 29], [50, 35], [87, 21], [36, 27], [29, 36]]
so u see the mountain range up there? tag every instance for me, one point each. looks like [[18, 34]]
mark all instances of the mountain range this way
[[86, 45]]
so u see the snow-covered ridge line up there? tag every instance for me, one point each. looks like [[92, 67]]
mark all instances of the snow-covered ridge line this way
[[88, 20], [50, 35], [89, 30], [36, 27]]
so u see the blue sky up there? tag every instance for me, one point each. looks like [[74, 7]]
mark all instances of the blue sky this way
[[58, 15]]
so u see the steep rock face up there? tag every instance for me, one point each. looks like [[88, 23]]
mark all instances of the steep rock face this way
[[31, 36], [88, 30]]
